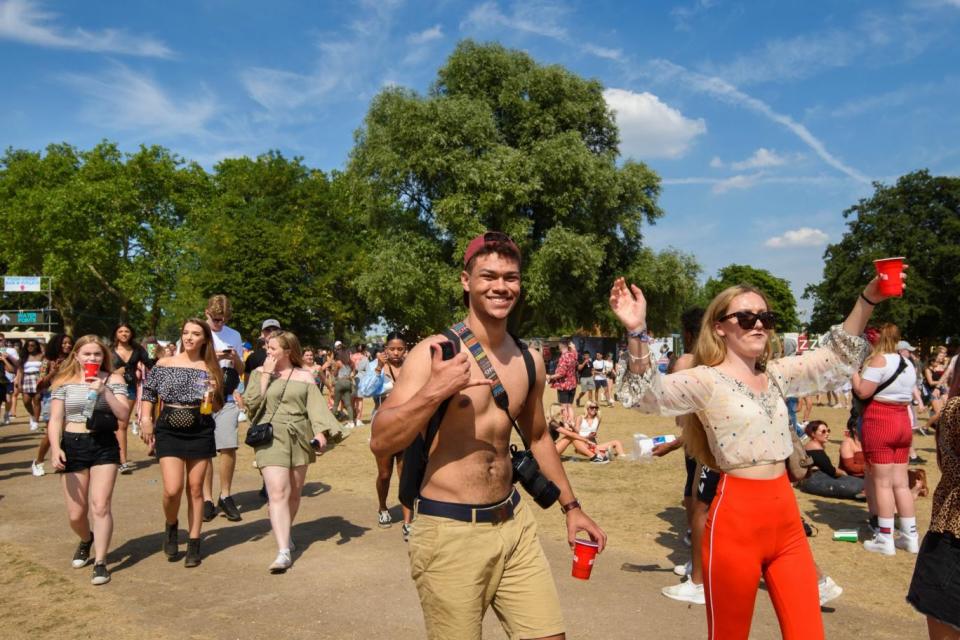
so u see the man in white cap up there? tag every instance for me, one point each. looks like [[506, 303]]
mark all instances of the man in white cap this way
[[269, 327]]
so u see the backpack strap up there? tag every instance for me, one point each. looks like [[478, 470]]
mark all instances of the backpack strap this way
[[434, 424]]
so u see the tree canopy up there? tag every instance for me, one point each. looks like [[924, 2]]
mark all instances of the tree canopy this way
[[501, 142], [777, 290], [918, 218]]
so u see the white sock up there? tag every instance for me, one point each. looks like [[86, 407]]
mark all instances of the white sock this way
[[886, 526], [908, 526]]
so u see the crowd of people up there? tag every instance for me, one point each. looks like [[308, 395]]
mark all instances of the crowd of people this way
[[743, 407]]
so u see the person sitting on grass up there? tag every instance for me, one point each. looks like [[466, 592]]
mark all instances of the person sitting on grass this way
[[824, 479], [584, 438]]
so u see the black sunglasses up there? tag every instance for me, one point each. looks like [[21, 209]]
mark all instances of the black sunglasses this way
[[748, 319]]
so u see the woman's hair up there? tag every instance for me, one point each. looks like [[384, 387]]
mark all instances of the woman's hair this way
[[25, 353], [394, 335], [133, 335], [342, 355], [813, 426], [887, 340], [71, 367], [288, 342], [593, 404], [209, 356], [55, 346], [218, 306], [710, 350]]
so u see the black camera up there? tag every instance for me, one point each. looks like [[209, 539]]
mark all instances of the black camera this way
[[526, 471]]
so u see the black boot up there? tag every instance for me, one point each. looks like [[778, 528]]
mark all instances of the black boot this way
[[170, 541], [193, 553]]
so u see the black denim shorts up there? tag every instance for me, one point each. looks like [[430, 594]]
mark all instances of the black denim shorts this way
[[85, 450], [935, 588]]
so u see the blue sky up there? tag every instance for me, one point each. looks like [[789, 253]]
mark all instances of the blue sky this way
[[764, 119]]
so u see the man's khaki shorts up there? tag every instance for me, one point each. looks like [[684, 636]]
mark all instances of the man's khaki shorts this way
[[461, 568]]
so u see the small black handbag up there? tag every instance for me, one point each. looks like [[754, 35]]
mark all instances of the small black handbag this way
[[262, 432], [102, 421]]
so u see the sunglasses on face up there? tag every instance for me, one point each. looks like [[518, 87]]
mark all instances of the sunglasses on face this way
[[824, 432], [748, 319]]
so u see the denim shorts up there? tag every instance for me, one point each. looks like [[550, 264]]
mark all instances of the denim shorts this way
[[85, 450], [935, 588]]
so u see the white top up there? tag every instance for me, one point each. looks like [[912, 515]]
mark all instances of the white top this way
[[901, 389], [225, 338], [588, 427], [15, 358], [599, 368], [745, 428]]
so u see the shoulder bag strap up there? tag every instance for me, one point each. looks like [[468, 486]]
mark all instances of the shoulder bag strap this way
[[282, 391], [434, 424], [896, 374], [500, 396]]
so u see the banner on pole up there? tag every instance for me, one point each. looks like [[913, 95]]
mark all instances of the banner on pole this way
[[17, 284]]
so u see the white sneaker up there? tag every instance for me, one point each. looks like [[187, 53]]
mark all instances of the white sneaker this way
[[37, 469], [881, 543], [34, 425], [282, 563], [687, 540], [829, 590], [135, 428], [384, 519], [358, 423], [907, 542], [685, 592], [684, 569]]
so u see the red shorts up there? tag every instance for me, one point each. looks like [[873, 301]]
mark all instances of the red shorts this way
[[887, 433]]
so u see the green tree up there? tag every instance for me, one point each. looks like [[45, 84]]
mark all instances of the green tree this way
[[919, 218], [274, 239], [777, 290], [103, 224], [500, 142], [669, 280]]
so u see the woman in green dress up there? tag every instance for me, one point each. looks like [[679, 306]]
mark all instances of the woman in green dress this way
[[284, 393]]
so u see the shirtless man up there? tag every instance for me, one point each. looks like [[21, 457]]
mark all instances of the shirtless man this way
[[488, 552]]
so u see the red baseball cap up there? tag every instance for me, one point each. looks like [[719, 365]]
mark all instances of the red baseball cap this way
[[489, 237]]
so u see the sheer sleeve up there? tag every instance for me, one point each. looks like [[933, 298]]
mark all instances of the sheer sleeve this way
[[320, 417], [676, 394], [151, 385], [828, 367], [251, 394]]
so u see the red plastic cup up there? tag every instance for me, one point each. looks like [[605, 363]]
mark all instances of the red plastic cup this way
[[90, 370], [584, 553], [890, 271]]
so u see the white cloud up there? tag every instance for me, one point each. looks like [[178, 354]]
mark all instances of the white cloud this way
[[25, 21], [747, 181], [874, 37], [802, 237], [762, 158], [428, 35], [535, 17], [121, 99], [604, 52], [649, 128], [666, 71], [682, 15]]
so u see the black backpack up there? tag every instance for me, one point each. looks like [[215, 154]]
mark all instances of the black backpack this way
[[416, 455]]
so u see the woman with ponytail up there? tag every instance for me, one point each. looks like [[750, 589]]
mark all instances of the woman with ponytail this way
[[739, 426]]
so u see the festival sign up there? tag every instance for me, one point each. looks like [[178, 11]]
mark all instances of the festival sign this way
[[19, 284]]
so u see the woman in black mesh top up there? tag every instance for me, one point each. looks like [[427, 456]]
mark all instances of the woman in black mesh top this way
[[183, 436]]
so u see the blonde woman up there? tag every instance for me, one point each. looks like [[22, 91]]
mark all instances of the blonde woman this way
[[284, 394], [736, 393], [86, 394]]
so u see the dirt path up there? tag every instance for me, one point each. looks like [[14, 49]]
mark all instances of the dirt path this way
[[350, 578]]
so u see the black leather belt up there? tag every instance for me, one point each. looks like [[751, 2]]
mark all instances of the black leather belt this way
[[493, 514]]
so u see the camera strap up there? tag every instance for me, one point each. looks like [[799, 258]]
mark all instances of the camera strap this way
[[500, 396]]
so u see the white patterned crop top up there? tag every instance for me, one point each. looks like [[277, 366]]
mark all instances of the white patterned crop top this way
[[745, 428]]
